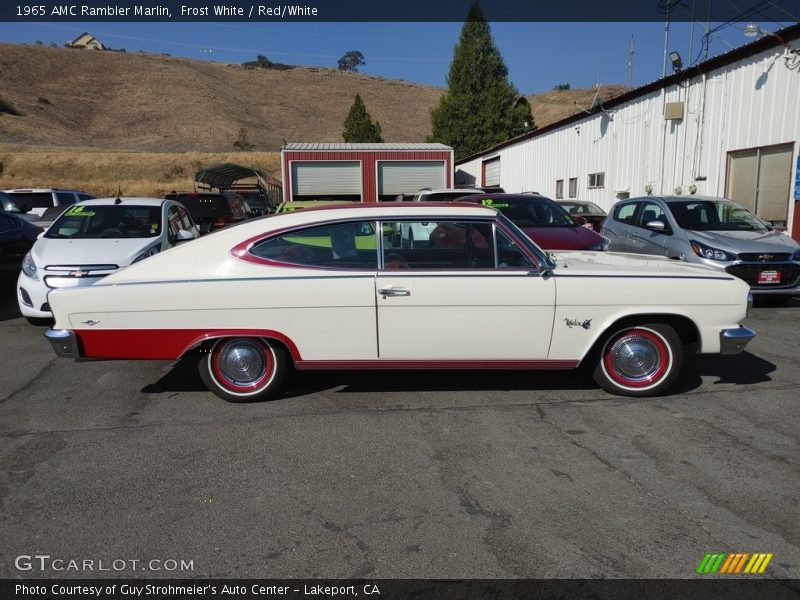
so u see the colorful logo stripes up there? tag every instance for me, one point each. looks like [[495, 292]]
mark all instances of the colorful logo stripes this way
[[734, 563]]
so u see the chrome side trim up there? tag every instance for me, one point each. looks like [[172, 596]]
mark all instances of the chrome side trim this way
[[64, 342], [733, 341]]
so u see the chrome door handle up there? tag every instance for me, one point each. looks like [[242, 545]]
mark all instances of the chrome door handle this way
[[394, 291]]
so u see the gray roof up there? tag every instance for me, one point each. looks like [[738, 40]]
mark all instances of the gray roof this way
[[331, 146]]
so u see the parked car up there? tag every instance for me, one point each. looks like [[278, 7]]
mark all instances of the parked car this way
[[710, 231], [588, 211], [95, 238], [16, 238], [543, 220], [293, 205], [252, 301], [212, 211], [40, 199]]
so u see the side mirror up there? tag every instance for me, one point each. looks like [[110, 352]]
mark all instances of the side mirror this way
[[184, 236], [658, 226]]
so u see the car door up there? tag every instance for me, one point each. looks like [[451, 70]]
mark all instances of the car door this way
[[466, 293], [642, 240], [618, 224]]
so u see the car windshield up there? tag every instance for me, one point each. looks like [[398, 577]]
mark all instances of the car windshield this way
[[112, 221], [715, 215], [582, 208], [532, 212], [205, 206]]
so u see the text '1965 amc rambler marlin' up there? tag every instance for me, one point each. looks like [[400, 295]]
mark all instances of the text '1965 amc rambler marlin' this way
[[335, 288]]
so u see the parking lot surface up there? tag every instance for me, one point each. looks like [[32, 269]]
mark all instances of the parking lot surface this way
[[397, 474]]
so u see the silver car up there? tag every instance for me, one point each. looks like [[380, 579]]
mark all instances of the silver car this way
[[711, 231]]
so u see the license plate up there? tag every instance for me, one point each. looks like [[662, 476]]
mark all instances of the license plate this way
[[769, 277]]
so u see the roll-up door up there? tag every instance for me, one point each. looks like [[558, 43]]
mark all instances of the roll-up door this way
[[760, 180], [407, 176], [320, 178], [491, 173]]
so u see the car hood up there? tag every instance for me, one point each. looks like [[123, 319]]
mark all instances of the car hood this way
[[745, 241], [627, 264], [111, 251], [563, 238]]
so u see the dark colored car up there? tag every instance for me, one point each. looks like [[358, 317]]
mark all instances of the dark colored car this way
[[10, 204], [589, 211], [543, 220], [212, 211], [16, 238]]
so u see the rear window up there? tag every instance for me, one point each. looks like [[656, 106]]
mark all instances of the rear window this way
[[35, 199], [204, 207]]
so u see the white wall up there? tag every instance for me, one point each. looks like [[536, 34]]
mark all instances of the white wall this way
[[753, 102]]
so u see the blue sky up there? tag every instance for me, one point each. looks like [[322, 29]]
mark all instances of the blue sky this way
[[538, 55]]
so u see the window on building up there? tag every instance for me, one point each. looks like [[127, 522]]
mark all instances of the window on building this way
[[559, 188], [573, 187], [597, 180]]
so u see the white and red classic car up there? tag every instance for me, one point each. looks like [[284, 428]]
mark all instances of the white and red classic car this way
[[334, 288]]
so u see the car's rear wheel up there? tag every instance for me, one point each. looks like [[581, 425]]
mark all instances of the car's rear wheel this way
[[244, 369], [640, 360]]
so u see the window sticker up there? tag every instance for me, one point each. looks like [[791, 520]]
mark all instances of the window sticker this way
[[80, 211]]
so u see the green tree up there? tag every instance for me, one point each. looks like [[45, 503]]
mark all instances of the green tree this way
[[351, 61], [481, 107], [358, 126]]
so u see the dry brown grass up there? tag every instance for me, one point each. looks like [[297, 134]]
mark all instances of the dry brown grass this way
[[133, 173]]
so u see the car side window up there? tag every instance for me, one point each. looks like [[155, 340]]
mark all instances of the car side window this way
[[173, 224], [651, 212], [185, 218], [509, 255], [440, 244], [65, 197], [624, 213], [350, 245]]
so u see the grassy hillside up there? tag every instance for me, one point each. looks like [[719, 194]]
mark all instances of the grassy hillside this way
[[143, 122]]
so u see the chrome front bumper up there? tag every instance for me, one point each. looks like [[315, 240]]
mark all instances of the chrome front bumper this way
[[733, 341], [64, 342]]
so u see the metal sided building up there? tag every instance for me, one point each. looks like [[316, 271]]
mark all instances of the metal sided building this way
[[365, 172], [729, 126]]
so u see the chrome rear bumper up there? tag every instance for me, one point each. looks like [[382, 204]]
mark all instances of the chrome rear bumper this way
[[64, 342], [733, 341]]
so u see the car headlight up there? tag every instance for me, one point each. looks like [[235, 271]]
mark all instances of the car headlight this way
[[796, 256], [29, 267], [600, 246], [710, 253], [146, 254]]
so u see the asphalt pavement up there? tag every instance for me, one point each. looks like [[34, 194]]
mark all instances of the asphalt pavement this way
[[396, 474]]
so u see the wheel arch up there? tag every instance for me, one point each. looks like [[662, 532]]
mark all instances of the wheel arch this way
[[205, 340], [686, 329]]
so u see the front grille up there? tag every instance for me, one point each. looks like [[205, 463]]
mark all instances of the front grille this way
[[760, 257], [65, 276], [749, 273], [52, 281]]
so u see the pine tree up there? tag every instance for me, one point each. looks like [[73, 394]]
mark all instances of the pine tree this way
[[481, 107], [358, 126]]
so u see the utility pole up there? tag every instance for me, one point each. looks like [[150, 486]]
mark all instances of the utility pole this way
[[630, 65]]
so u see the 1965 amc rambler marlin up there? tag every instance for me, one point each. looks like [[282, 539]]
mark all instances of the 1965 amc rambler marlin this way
[[334, 288]]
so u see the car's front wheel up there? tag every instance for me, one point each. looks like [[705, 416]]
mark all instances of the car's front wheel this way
[[244, 369], [640, 360]]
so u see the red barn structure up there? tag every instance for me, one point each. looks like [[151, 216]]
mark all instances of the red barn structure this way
[[365, 172]]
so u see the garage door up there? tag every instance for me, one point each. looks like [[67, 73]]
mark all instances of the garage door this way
[[326, 178], [491, 173], [408, 176], [760, 179]]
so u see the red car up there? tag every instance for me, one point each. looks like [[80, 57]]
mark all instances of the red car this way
[[543, 220]]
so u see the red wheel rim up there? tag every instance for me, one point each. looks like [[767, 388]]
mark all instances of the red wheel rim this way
[[637, 358], [242, 365]]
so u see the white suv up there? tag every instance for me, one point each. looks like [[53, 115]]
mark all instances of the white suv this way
[[40, 199], [94, 238]]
